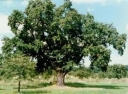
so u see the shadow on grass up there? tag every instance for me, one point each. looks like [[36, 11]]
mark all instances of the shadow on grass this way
[[2, 89], [81, 85], [35, 92], [32, 86]]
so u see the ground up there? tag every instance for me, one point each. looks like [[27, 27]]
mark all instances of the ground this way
[[73, 86]]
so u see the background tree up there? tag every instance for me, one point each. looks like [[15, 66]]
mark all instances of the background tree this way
[[126, 66], [60, 37], [18, 66], [116, 71], [81, 72]]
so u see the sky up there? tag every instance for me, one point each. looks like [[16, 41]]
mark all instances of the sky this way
[[106, 11]]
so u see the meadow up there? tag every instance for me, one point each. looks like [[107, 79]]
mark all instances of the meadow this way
[[73, 85]]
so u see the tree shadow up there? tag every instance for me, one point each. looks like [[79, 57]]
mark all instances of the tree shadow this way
[[35, 92], [81, 85], [33, 86]]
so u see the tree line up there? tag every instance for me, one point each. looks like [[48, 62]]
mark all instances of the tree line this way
[[113, 71]]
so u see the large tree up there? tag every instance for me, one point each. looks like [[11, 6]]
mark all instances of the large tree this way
[[60, 37]]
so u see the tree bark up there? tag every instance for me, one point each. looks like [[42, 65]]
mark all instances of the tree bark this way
[[19, 86], [60, 78]]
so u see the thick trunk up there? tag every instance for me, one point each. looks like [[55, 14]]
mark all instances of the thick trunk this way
[[19, 86], [60, 78]]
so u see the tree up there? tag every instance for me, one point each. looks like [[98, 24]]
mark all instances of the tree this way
[[117, 71], [82, 72], [126, 66], [59, 37], [18, 66]]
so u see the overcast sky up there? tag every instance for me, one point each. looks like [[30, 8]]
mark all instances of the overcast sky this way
[[107, 11]]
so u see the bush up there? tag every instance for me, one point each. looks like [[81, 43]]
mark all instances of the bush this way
[[116, 71], [81, 72], [102, 74]]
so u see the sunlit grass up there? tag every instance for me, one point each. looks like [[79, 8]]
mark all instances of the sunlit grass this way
[[72, 86]]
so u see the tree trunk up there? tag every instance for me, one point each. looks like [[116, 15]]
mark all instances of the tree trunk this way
[[19, 86], [60, 78]]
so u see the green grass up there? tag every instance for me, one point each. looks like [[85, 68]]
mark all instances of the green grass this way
[[25, 92], [103, 86], [77, 87], [35, 92], [38, 85]]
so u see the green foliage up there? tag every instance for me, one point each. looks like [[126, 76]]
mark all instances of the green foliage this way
[[18, 66], [102, 74], [81, 72], [116, 71], [126, 66], [47, 74], [113, 71]]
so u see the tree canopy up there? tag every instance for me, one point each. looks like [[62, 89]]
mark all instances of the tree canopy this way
[[59, 37]]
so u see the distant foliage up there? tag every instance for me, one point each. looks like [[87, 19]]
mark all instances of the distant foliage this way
[[117, 71], [126, 67], [113, 71], [81, 72], [47, 74]]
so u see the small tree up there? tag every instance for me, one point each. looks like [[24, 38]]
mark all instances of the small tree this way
[[18, 66]]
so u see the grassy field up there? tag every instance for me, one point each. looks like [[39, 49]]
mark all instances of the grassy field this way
[[73, 86]]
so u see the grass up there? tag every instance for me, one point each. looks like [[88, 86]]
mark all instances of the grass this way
[[38, 85], [35, 92], [25, 92], [82, 85], [76, 87]]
